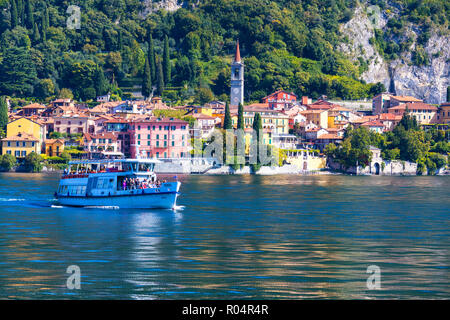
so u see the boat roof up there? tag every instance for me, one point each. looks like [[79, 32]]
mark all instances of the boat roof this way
[[114, 161]]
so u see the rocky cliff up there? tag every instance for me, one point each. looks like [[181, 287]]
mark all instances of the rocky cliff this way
[[401, 76]]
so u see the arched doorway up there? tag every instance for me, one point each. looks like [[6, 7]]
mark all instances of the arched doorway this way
[[377, 168]]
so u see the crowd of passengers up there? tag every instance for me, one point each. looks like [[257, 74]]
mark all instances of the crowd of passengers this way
[[134, 183]]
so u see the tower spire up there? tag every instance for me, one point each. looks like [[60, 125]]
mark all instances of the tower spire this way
[[237, 57]]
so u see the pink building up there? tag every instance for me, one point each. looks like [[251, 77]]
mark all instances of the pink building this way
[[159, 138]]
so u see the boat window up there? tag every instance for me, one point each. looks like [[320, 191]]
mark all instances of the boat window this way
[[146, 167]]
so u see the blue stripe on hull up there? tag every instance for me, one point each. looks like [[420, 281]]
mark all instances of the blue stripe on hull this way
[[163, 200]]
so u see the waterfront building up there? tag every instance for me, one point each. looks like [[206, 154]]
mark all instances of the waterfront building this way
[[26, 125], [121, 128], [237, 79], [159, 138], [101, 145], [206, 124], [54, 147], [20, 145], [273, 121], [424, 113]]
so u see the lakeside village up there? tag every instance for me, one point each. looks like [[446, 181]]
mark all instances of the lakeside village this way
[[399, 135]]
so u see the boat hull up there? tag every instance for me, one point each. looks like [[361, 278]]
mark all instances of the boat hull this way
[[162, 200]]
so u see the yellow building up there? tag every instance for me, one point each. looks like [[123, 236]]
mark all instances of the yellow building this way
[[272, 120], [21, 145], [54, 147], [25, 125]]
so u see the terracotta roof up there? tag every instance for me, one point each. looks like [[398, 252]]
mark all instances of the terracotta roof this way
[[329, 136], [373, 123], [105, 135], [406, 98], [21, 136], [389, 116], [312, 111], [278, 91], [416, 106], [202, 116], [52, 141], [445, 104], [34, 106]]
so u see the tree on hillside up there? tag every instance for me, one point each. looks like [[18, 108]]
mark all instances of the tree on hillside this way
[[17, 72], [29, 14], [448, 94], [151, 58], [227, 118], [240, 122], [3, 113], [36, 36], [14, 14], [166, 61], [147, 80], [203, 95], [160, 79]]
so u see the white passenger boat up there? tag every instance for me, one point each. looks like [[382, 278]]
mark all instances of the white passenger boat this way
[[125, 183]]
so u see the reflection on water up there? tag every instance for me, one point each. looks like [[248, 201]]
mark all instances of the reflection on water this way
[[232, 238]]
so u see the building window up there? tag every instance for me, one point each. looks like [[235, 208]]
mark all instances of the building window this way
[[157, 143], [32, 144], [17, 154], [24, 153], [173, 143], [9, 143], [17, 143]]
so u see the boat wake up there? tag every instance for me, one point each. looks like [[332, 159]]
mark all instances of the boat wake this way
[[103, 207], [179, 208], [10, 200]]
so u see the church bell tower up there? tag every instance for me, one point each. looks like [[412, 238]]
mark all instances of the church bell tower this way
[[237, 79]]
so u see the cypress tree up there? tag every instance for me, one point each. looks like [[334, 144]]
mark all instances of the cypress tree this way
[[36, 35], [120, 41], [448, 94], [240, 124], [227, 118], [47, 20], [14, 17], [257, 126], [160, 79], [3, 113], [152, 58], [166, 61], [147, 80], [30, 18], [44, 28], [20, 11]]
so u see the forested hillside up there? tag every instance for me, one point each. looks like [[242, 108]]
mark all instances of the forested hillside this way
[[185, 54]]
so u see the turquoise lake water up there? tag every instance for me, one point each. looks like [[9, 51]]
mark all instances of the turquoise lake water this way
[[232, 237]]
